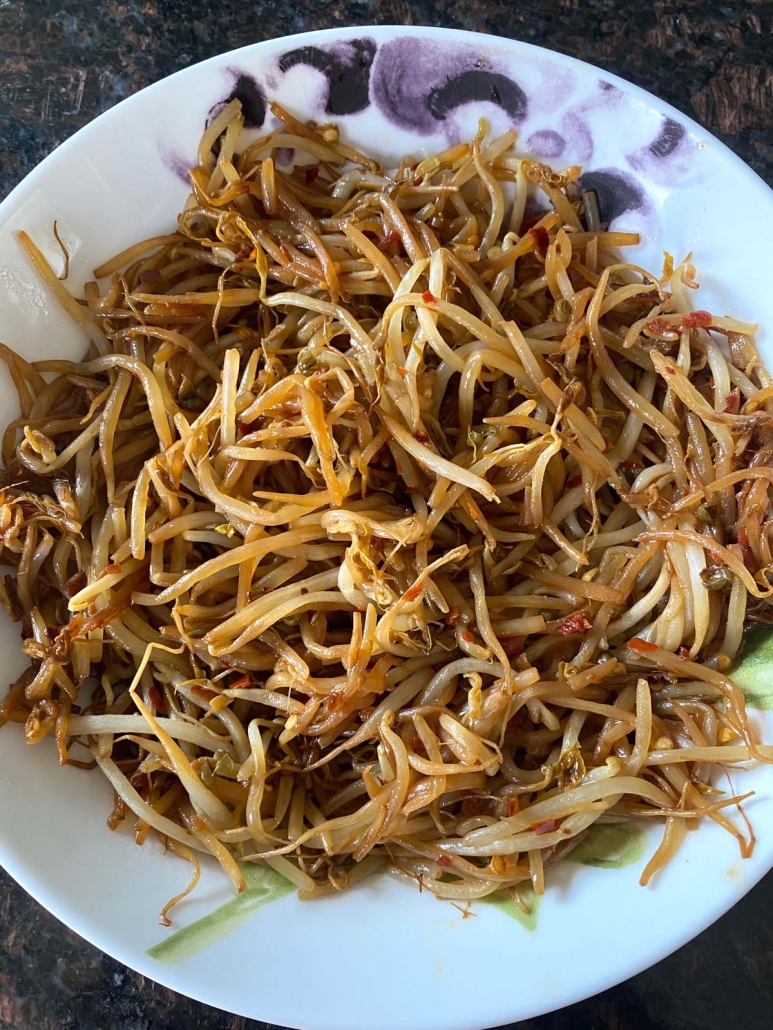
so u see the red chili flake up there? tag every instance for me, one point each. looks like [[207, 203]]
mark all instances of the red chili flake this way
[[631, 463], [637, 644], [418, 744], [743, 537], [304, 590], [690, 320], [203, 693], [684, 654], [428, 297], [513, 806], [75, 583], [311, 174], [154, 697], [445, 861], [548, 826], [240, 682], [466, 635], [693, 319], [541, 239], [452, 616], [574, 624], [413, 167], [671, 371], [512, 645], [389, 242], [113, 570], [659, 326], [733, 404], [421, 436], [402, 371], [413, 592], [573, 482]]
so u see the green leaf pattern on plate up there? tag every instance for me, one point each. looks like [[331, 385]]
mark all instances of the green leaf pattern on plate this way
[[754, 671], [610, 846], [262, 886], [606, 846], [525, 914]]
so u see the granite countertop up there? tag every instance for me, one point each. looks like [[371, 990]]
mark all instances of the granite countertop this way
[[63, 63]]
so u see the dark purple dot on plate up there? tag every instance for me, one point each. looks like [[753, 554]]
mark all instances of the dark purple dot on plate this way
[[615, 191], [668, 139], [546, 143], [284, 156], [478, 85], [252, 100], [346, 66]]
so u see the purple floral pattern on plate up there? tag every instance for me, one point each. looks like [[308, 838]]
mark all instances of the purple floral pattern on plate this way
[[435, 91]]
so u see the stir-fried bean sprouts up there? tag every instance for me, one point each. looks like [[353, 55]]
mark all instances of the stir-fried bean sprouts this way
[[391, 520]]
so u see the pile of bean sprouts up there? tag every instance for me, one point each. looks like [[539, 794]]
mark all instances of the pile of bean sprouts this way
[[391, 521]]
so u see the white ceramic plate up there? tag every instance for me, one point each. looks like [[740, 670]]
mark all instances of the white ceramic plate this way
[[381, 956]]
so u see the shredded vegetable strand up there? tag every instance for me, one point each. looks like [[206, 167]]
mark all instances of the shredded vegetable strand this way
[[383, 527]]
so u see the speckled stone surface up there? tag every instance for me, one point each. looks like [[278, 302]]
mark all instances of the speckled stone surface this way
[[61, 64]]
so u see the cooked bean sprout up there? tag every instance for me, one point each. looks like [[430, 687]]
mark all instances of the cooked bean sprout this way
[[385, 518]]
